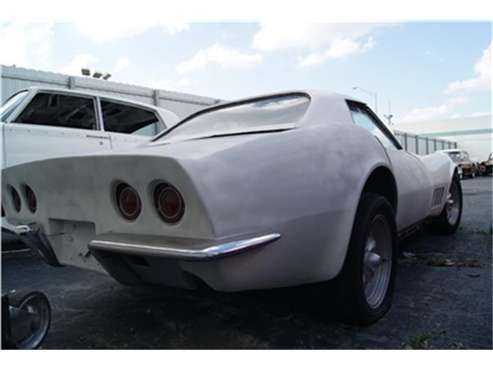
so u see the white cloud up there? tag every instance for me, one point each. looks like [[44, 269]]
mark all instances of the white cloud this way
[[219, 55], [482, 80], [320, 41], [287, 35], [479, 114], [425, 113], [84, 60], [102, 31], [338, 49], [432, 112], [26, 44], [121, 65]]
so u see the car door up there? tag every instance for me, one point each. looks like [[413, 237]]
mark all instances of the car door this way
[[53, 124], [129, 125], [414, 186]]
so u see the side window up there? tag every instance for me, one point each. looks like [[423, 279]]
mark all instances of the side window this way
[[60, 110], [127, 119], [363, 119]]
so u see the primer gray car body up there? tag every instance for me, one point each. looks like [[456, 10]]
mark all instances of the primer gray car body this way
[[267, 207]]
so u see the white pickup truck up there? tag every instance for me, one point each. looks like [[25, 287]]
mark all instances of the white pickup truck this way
[[40, 123]]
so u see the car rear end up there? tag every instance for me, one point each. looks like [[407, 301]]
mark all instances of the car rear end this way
[[235, 210]]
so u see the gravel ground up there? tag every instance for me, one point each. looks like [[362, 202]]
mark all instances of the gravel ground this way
[[443, 299]]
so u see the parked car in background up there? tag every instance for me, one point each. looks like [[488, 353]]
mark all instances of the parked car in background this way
[[272, 191], [464, 162], [40, 123], [486, 167]]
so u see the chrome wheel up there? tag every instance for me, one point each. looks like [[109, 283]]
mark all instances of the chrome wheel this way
[[377, 261], [37, 317], [453, 204]]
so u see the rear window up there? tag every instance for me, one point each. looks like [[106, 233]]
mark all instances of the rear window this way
[[266, 114]]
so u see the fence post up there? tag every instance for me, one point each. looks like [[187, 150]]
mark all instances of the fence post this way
[[156, 98], [71, 82]]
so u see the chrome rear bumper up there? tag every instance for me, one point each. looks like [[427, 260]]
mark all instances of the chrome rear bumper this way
[[175, 250]]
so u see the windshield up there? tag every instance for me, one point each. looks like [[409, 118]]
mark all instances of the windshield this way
[[266, 114], [10, 105], [457, 156]]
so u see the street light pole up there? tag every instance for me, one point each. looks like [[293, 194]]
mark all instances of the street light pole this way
[[371, 93], [389, 116]]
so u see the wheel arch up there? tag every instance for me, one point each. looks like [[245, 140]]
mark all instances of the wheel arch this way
[[381, 181]]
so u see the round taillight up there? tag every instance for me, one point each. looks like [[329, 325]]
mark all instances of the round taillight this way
[[16, 199], [169, 203], [128, 201], [32, 202]]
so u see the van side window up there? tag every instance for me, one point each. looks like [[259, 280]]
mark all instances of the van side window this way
[[127, 119], [60, 110]]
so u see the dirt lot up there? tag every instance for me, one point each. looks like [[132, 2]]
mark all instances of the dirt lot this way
[[443, 300]]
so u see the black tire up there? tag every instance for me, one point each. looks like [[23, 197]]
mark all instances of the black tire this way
[[349, 285], [21, 299], [442, 223]]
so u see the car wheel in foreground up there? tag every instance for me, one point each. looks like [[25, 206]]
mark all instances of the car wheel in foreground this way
[[365, 284], [33, 318], [448, 221]]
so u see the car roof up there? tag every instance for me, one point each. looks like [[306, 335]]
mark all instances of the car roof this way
[[316, 96]]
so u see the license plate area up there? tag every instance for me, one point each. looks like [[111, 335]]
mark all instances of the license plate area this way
[[70, 239]]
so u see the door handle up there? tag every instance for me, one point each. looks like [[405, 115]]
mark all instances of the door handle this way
[[97, 137]]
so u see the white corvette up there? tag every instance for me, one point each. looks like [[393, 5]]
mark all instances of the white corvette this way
[[272, 191]]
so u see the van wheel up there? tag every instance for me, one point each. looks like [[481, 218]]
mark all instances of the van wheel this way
[[365, 285]]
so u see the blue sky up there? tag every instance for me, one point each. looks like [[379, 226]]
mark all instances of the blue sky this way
[[426, 70]]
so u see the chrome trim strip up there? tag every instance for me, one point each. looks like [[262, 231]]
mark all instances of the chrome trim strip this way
[[205, 254], [23, 230]]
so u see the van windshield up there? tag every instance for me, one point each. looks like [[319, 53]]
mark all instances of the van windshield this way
[[260, 115]]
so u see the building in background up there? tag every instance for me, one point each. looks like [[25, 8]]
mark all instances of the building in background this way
[[473, 134], [13, 79]]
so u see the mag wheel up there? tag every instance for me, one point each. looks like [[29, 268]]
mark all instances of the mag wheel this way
[[365, 285], [448, 221], [377, 261], [30, 319]]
